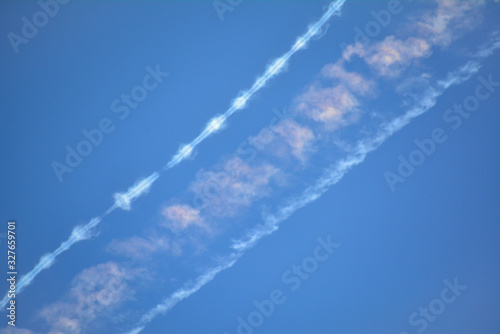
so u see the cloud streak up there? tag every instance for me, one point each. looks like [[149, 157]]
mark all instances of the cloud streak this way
[[330, 177], [438, 27], [216, 123], [139, 249], [98, 289], [124, 200], [391, 56], [79, 233], [84, 232], [450, 19]]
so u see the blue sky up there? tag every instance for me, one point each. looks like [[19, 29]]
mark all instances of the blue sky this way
[[355, 191]]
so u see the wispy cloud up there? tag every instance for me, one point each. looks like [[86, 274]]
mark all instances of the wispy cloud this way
[[79, 233], [181, 216], [96, 290], [233, 185], [331, 176], [334, 99], [390, 56], [491, 46], [436, 27], [318, 102], [276, 67], [15, 330], [183, 293], [354, 81], [448, 21], [227, 189], [286, 139], [139, 248], [334, 107], [141, 187]]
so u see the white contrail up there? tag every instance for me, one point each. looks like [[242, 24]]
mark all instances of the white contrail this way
[[490, 47], [79, 233], [185, 292], [84, 232], [331, 176], [241, 101], [124, 200]]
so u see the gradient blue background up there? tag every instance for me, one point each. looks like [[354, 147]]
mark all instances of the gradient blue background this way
[[397, 248]]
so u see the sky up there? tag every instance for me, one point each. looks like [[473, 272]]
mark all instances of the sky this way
[[250, 166]]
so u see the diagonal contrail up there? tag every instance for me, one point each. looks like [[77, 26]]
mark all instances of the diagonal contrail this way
[[83, 232], [331, 176], [124, 200], [272, 70]]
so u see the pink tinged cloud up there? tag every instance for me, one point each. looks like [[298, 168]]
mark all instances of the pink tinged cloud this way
[[138, 248], [354, 81], [438, 27], [232, 186], [272, 70], [124, 200], [390, 56], [449, 20], [180, 217], [299, 138], [332, 175], [95, 290], [285, 140], [334, 107]]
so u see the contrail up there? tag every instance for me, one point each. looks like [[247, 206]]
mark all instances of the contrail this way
[[83, 232], [124, 200], [79, 233], [216, 123], [330, 177]]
